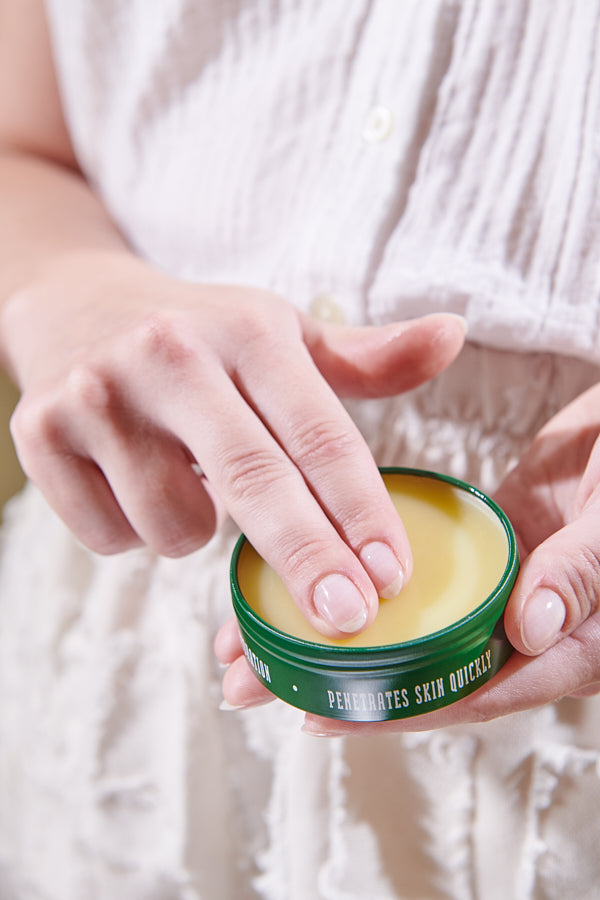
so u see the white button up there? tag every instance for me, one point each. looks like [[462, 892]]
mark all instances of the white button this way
[[327, 309], [379, 124]]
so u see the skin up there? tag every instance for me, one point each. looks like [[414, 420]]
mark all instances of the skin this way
[[553, 499], [128, 377], [132, 381]]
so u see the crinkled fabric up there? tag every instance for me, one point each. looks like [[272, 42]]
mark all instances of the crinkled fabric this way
[[235, 141], [120, 776]]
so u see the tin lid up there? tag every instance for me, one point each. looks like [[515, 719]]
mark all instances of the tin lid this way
[[383, 681]]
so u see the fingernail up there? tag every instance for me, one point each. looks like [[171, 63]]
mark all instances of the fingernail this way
[[461, 320], [380, 562], [228, 707], [321, 734], [340, 603], [543, 618]]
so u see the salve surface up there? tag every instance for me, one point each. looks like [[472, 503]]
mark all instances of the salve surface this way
[[460, 551]]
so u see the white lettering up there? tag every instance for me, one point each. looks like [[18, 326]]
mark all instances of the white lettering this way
[[467, 674], [260, 667]]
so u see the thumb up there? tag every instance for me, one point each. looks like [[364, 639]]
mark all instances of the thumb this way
[[558, 586], [380, 361]]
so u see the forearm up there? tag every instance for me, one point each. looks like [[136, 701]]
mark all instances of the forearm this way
[[48, 215]]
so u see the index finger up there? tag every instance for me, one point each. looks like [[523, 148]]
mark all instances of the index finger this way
[[300, 481], [292, 469]]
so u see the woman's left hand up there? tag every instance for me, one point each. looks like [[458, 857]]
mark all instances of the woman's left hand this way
[[552, 618]]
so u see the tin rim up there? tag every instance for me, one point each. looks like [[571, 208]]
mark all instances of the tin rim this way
[[435, 645]]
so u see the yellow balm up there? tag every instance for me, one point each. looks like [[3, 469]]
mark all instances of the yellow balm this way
[[460, 551], [440, 639]]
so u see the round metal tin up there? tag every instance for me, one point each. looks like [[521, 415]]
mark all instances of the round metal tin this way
[[391, 681]]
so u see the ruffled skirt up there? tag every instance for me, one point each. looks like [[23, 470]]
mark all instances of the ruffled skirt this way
[[121, 779]]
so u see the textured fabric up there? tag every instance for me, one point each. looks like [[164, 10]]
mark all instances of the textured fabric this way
[[226, 138], [120, 776], [241, 141]]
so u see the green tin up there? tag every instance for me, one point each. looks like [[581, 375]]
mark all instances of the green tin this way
[[391, 681]]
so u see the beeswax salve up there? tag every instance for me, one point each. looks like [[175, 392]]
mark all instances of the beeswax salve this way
[[440, 639]]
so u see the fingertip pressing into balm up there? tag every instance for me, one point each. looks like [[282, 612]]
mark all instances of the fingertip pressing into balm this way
[[340, 603], [431, 643], [380, 562]]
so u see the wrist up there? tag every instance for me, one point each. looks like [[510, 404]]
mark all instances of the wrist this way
[[68, 295]]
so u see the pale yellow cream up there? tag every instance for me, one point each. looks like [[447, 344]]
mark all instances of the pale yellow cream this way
[[460, 551]]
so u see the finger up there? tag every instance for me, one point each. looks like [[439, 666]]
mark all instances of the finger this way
[[267, 495], [241, 688], [74, 486], [149, 471], [589, 691], [558, 586], [384, 360], [475, 708], [164, 499], [78, 492], [86, 449], [319, 436], [228, 645]]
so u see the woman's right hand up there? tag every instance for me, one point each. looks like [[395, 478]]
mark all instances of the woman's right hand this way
[[132, 380], [129, 377]]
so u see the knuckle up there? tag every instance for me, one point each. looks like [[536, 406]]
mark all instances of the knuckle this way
[[265, 323], [23, 423], [262, 313], [42, 422], [172, 517], [36, 425], [315, 444], [247, 474], [174, 545], [109, 541], [160, 339], [255, 346], [177, 549], [587, 639], [585, 583], [303, 557], [254, 321], [180, 540], [90, 387]]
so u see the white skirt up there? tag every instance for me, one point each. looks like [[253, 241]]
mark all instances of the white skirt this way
[[120, 778]]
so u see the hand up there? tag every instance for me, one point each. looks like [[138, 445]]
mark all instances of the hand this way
[[129, 377], [552, 618]]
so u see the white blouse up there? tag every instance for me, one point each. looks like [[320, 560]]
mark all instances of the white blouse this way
[[400, 155]]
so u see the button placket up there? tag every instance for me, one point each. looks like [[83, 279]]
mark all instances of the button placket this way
[[326, 308], [378, 124]]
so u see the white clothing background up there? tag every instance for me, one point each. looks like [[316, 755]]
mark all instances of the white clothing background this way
[[374, 160]]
